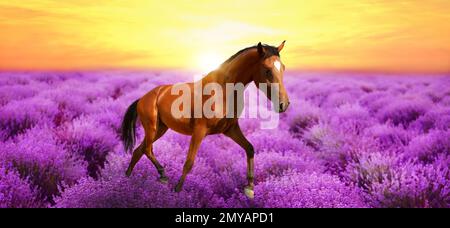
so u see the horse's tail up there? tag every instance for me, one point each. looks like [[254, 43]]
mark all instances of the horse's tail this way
[[128, 128]]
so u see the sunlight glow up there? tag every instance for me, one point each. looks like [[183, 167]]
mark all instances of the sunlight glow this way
[[207, 62]]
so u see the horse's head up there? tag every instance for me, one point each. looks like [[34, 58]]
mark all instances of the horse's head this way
[[270, 72]]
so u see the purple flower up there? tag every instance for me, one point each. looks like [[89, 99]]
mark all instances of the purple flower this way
[[82, 139], [427, 148], [18, 116], [307, 190], [345, 141], [16, 192], [37, 156], [388, 136], [404, 111]]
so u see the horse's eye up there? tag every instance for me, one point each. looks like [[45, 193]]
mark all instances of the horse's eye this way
[[268, 73]]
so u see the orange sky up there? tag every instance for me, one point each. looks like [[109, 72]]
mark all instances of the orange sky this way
[[394, 36]]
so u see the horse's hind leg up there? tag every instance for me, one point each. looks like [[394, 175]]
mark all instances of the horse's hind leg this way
[[137, 154], [142, 148], [150, 137]]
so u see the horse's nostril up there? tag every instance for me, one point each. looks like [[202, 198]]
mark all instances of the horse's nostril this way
[[281, 106]]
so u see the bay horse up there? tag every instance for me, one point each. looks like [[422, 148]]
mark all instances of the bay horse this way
[[260, 64]]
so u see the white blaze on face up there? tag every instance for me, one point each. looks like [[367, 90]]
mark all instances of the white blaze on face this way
[[277, 65]]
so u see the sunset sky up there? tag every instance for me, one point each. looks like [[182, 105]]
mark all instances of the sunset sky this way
[[360, 35]]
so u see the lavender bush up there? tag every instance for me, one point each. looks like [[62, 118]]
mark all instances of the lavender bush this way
[[38, 157], [345, 141], [16, 192]]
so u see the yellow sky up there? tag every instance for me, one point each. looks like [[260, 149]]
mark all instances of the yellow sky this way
[[400, 35]]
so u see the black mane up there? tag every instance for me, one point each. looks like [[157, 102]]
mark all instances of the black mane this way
[[268, 50]]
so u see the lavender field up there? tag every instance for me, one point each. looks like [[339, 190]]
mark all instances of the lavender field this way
[[345, 141]]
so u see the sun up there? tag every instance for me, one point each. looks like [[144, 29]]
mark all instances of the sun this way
[[207, 62]]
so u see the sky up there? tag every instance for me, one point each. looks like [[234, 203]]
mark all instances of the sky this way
[[355, 35]]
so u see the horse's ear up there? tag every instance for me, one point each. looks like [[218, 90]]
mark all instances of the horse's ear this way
[[260, 50], [281, 46]]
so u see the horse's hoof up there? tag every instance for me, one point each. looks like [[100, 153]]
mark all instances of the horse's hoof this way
[[128, 173], [164, 180], [249, 193], [178, 188]]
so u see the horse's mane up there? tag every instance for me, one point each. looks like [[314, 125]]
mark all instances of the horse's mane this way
[[268, 50]]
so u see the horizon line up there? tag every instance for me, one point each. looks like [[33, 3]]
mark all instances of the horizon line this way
[[182, 69]]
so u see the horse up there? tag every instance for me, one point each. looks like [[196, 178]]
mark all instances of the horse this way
[[260, 63]]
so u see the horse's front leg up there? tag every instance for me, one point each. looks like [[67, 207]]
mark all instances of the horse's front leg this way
[[237, 136], [197, 137]]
